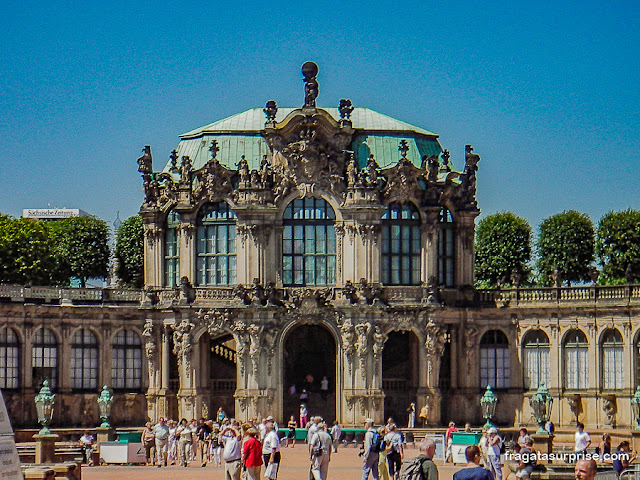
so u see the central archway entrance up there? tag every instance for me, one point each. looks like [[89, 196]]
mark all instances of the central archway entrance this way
[[399, 375], [219, 367], [309, 356]]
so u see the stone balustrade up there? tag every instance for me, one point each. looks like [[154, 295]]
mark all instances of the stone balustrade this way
[[211, 296]]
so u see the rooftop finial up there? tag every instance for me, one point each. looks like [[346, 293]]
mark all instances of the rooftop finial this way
[[404, 148], [214, 149], [270, 110], [309, 72]]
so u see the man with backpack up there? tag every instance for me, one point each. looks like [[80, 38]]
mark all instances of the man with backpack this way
[[422, 467], [320, 452], [373, 443], [395, 451]]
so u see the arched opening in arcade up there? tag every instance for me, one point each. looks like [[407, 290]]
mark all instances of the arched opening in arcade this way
[[400, 375], [219, 373], [309, 372]]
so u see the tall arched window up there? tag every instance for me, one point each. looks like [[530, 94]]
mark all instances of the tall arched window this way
[[171, 251], [446, 249], [84, 360], [44, 358], [126, 361], [9, 359], [401, 245], [612, 360], [494, 360], [536, 359], [308, 243], [216, 245], [576, 361]]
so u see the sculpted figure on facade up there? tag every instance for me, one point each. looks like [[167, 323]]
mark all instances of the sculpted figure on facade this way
[[371, 172], [378, 342], [242, 344], [345, 108], [309, 72], [470, 339], [254, 332], [182, 344], [352, 172], [270, 110], [185, 170]]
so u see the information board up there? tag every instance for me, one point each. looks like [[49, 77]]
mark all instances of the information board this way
[[9, 460], [439, 440]]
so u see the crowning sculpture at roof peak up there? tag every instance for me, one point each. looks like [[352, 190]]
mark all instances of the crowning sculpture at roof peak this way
[[312, 153]]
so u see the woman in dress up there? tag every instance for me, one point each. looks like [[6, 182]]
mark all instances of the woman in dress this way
[[292, 425], [149, 442]]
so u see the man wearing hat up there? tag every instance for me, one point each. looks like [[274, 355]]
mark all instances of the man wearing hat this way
[[370, 463], [495, 445], [271, 451]]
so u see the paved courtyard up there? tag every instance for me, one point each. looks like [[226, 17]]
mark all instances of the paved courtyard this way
[[345, 465]]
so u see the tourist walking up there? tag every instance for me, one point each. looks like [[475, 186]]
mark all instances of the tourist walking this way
[[149, 442], [395, 451], [173, 443], [494, 447], [304, 415], [203, 431], [216, 446], [383, 466], [424, 412], [582, 440], [185, 438], [336, 433], [231, 454], [252, 455], [371, 451], [271, 452], [161, 433], [291, 436], [448, 438], [423, 463], [473, 470], [320, 452]]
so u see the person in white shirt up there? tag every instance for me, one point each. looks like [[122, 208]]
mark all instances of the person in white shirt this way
[[271, 451], [312, 428], [582, 439], [336, 431], [320, 452], [161, 432], [184, 443], [86, 441], [231, 454]]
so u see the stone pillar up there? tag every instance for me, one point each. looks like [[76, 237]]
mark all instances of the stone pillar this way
[[436, 336], [166, 358], [464, 248], [186, 241], [543, 444], [105, 435], [45, 448], [430, 245]]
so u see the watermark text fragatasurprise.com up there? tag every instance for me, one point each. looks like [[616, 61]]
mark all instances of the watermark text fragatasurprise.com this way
[[565, 457]]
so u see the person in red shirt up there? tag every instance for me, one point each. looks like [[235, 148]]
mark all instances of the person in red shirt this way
[[252, 454], [448, 438]]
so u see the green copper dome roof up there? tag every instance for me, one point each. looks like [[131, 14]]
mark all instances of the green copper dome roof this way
[[239, 135]]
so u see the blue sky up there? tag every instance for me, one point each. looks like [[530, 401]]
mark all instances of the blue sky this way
[[546, 92]]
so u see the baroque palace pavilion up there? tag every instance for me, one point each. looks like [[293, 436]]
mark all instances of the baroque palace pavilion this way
[[284, 245]]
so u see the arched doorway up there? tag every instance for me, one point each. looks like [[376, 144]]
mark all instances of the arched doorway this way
[[309, 354], [220, 373], [399, 374]]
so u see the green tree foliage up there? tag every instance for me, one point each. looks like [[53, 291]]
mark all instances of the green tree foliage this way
[[618, 245], [130, 252], [26, 252], [503, 246], [565, 242], [81, 248]]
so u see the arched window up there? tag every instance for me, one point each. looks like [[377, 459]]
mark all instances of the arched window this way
[[494, 360], [612, 360], [308, 243], [446, 249], [401, 245], [171, 251], [44, 358], [576, 362], [84, 360], [536, 359], [126, 361], [9, 359], [216, 245]]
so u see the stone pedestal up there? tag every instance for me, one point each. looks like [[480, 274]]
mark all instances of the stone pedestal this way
[[105, 435], [635, 440], [543, 443], [45, 448]]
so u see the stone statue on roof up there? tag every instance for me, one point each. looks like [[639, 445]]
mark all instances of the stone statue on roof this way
[[309, 72]]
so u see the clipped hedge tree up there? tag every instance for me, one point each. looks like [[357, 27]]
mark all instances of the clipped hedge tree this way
[[566, 243], [618, 246], [503, 246], [130, 252]]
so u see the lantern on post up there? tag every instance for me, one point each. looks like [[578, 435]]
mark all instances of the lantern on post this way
[[488, 404], [45, 402], [635, 407], [105, 400], [541, 403]]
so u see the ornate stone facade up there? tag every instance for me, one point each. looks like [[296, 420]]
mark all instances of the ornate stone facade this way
[[340, 229]]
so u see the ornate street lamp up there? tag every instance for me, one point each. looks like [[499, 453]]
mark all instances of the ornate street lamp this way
[[541, 403], [635, 407], [44, 407], [488, 404], [104, 406]]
